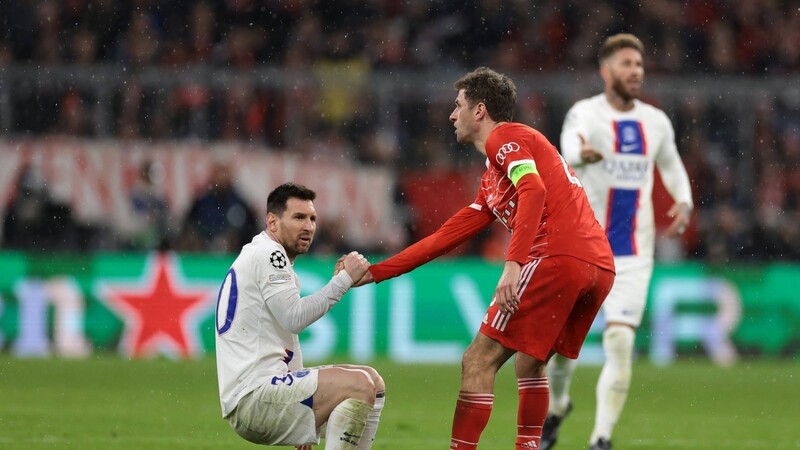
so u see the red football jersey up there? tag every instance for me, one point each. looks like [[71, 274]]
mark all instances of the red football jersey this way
[[566, 225], [547, 211]]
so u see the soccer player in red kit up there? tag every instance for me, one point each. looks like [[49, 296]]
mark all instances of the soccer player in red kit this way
[[558, 265]]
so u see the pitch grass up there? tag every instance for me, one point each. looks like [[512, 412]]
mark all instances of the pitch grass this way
[[112, 403]]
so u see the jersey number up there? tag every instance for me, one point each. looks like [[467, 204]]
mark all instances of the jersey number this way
[[572, 178], [226, 302], [287, 379]]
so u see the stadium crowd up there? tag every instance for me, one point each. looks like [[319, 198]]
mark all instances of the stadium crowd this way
[[361, 40]]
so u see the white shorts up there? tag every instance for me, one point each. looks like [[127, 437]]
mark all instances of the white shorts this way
[[628, 297], [279, 411]]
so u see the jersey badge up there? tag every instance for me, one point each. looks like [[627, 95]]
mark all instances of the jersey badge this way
[[504, 150], [278, 259], [279, 277]]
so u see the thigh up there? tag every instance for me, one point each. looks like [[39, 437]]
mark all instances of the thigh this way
[[551, 290], [279, 412], [533, 328], [374, 375], [628, 297], [584, 311]]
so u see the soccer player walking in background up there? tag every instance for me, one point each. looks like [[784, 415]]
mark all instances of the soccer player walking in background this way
[[613, 140], [266, 394], [558, 268]]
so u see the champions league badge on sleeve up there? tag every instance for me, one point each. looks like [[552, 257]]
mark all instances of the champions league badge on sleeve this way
[[277, 259]]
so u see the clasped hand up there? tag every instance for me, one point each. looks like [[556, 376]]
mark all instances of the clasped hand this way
[[355, 264]]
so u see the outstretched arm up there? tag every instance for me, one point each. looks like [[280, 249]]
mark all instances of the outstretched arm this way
[[456, 230], [295, 313]]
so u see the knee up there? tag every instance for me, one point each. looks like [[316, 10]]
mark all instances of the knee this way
[[363, 387], [529, 367], [376, 378], [380, 385]]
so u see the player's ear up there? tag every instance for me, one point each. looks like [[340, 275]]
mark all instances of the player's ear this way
[[604, 71], [272, 222], [480, 110]]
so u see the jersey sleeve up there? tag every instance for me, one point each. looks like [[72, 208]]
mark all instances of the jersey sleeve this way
[[673, 173], [571, 134], [295, 313], [273, 273], [515, 157], [531, 196], [466, 223]]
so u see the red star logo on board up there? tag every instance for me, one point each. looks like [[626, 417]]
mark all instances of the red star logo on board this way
[[159, 311]]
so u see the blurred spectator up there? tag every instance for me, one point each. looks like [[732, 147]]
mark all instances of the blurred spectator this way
[[204, 70], [74, 116], [243, 113], [139, 44], [200, 41], [48, 42], [330, 240], [34, 221], [219, 219], [150, 220], [83, 48]]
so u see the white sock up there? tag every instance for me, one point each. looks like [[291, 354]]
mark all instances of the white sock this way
[[615, 379], [559, 373], [346, 424], [373, 419]]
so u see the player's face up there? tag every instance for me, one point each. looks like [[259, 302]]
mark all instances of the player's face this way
[[295, 228], [463, 119], [626, 73]]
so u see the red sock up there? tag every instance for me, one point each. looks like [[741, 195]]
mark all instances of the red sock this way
[[471, 416], [534, 399]]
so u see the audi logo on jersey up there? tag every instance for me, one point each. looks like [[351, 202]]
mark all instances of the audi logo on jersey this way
[[504, 150]]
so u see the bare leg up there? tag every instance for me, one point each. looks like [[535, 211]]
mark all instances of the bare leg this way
[[479, 365]]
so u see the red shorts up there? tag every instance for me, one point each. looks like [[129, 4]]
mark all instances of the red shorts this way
[[559, 299]]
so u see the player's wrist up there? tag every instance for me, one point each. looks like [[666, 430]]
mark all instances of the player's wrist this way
[[343, 280]]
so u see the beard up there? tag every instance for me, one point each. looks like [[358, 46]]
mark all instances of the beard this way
[[623, 92], [298, 247]]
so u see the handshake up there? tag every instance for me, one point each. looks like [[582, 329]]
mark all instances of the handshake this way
[[356, 265]]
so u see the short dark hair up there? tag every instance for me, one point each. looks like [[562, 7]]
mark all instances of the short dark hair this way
[[493, 89], [617, 42], [276, 201]]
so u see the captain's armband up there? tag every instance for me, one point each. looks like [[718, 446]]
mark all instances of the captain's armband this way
[[521, 170]]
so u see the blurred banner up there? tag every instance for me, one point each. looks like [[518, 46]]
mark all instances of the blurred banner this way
[[163, 304], [96, 178]]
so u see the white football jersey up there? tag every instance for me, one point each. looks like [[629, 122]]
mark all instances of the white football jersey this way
[[251, 345], [620, 187]]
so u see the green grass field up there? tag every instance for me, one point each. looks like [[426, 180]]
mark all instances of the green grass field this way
[[109, 402]]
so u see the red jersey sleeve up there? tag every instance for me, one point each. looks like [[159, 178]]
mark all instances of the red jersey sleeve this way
[[456, 230], [531, 195], [510, 150]]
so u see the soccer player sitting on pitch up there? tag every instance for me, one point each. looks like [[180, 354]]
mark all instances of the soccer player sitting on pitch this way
[[614, 141], [267, 396], [558, 266]]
